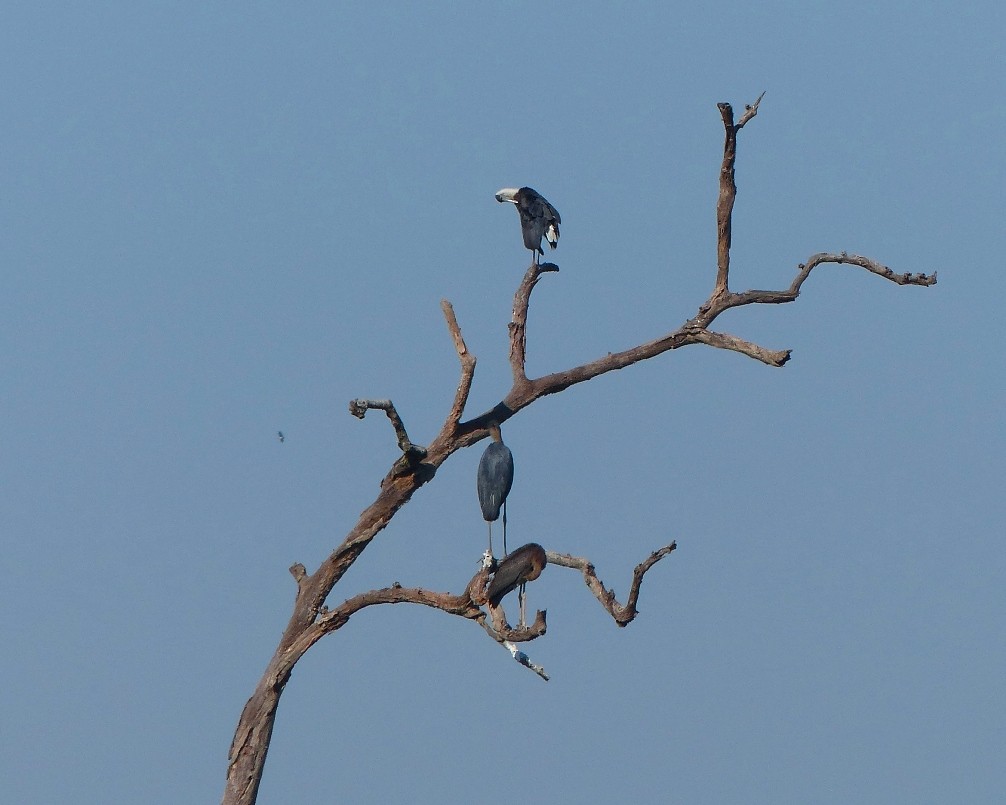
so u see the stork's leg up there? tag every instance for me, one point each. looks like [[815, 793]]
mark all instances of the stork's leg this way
[[505, 552], [523, 604], [490, 536]]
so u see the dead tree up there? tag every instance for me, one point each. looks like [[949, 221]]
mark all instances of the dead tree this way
[[312, 619]]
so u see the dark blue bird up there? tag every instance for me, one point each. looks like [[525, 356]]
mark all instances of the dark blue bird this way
[[538, 218], [495, 478]]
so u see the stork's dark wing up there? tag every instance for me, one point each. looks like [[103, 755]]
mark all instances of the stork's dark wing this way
[[550, 212], [534, 207], [495, 477], [523, 564]]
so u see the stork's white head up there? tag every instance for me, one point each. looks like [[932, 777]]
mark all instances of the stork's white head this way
[[507, 194]]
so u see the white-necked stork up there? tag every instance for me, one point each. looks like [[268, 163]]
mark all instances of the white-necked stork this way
[[538, 218]]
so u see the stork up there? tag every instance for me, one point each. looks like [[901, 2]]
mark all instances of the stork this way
[[495, 477], [537, 218], [516, 570]]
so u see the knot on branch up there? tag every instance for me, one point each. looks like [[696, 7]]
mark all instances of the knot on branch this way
[[358, 408]]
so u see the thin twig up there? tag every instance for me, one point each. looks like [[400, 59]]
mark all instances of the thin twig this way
[[359, 408], [524, 660], [517, 654], [803, 272], [749, 112]]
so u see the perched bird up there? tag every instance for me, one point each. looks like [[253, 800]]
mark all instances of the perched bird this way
[[517, 569], [495, 477], [537, 217]]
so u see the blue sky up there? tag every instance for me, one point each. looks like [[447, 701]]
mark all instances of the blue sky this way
[[224, 221]]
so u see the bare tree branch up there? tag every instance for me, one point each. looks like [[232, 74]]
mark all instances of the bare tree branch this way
[[467, 369], [412, 452], [623, 614], [518, 324], [464, 605], [728, 190], [522, 634], [804, 269], [514, 650], [750, 110], [524, 660], [772, 357], [695, 331]]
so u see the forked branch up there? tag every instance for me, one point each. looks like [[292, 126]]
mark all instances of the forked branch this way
[[728, 190], [412, 453], [469, 605], [625, 613]]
